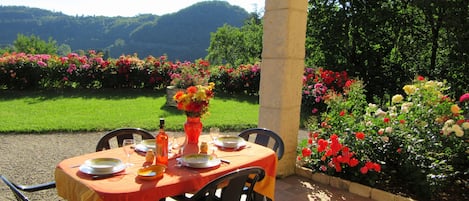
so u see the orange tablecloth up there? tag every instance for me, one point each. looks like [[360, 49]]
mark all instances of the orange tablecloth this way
[[75, 185]]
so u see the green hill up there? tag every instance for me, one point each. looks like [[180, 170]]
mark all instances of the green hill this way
[[183, 35]]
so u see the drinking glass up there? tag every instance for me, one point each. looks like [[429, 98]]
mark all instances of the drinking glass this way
[[177, 144], [214, 133], [128, 145]]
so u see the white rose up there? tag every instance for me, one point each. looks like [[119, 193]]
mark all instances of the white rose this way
[[388, 130], [380, 113]]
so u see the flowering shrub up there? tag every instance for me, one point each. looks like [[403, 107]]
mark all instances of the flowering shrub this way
[[185, 74], [418, 140], [242, 79], [21, 71], [316, 85], [195, 100]]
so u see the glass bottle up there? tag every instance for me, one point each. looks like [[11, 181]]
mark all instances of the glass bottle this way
[[162, 145], [203, 148], [150, 156]]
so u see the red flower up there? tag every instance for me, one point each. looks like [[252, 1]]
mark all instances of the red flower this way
[[364, 170], [377, 167], [360, 135], [324, 124], [306, 152], [315, 135], [402, 121], [310, 140], [342, 113], [338, 168], [353, 162], [323, 168], [420, 78], [386, 120], [192, 89], [322, 145], [369, 165]]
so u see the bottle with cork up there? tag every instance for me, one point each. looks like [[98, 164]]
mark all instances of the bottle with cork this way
[[162, 145]]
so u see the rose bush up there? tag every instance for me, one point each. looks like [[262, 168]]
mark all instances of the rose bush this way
[[417, 140], [186, 74]]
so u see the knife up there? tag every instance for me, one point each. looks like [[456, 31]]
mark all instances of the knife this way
[[225, 161], [105, 176]]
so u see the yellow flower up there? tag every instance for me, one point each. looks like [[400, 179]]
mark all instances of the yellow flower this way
[[465, 125], [457, 130], [447, 130], [397, 98], [409, 89], [455, 109]]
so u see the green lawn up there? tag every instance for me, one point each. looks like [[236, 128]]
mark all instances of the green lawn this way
[[101, 110]]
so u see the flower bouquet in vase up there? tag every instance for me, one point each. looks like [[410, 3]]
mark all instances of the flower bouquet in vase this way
[[194, 102]]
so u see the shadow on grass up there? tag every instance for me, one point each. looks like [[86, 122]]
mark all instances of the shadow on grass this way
[[114, 94], [41, 95]]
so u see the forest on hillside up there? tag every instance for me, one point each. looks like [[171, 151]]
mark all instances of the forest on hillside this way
[[182, 35]]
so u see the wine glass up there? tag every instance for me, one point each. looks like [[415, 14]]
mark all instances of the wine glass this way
[[128, 145], [214, 133], [177, 144]]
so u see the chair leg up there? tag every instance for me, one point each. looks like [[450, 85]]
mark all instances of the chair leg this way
[[259, 197]]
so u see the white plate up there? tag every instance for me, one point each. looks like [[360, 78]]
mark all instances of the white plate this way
[[102, 166], [200, 160], [232, 142], [145, 145]]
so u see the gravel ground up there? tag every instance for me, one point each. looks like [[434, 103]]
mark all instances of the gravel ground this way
[[31, 158]]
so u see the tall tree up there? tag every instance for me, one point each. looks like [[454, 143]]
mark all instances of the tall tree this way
[[388, 42], [34, 45], [235, 46]]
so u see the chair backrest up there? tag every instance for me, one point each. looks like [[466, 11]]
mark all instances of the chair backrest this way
[[121, 134], [265, 138], [235, 182], [18, 194]]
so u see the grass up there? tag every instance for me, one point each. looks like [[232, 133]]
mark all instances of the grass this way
[[101, 110]]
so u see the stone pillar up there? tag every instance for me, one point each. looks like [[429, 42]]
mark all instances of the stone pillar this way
[[281, 75]]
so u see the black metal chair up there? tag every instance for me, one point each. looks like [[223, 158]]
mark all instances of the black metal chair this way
[[265, 138], [121, 134], [17, 189], [232, 186]]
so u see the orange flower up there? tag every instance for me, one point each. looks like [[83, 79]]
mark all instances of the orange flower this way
[[455, 109], [195, 100]]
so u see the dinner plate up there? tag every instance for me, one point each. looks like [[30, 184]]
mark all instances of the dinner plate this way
[[200, 160], [145, 145], [102, 166], [232, 142]]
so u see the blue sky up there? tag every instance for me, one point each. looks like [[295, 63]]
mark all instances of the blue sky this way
[[123, 8]]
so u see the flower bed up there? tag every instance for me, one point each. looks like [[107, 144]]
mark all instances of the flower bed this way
[[418, 142]]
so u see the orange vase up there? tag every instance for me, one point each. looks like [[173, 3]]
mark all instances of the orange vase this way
[[193, 129]]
